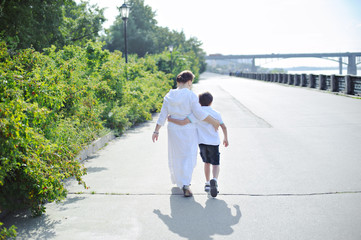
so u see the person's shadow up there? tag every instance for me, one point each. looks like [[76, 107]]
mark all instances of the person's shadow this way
[[190, 220]]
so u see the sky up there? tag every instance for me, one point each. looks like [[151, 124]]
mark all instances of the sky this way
[[259, 26]]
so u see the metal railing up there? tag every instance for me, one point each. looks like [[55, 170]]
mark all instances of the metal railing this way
[[347, 84]]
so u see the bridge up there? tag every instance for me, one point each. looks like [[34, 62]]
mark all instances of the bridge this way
[[353, 58]]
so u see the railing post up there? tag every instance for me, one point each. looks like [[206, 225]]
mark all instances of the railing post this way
[[303, 80], [322, 79], [348, 84], [334, 83], [285, 78], [290, 79], [296, 80], [312, 81]]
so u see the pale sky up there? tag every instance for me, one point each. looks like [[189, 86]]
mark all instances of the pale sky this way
[[260, 26]]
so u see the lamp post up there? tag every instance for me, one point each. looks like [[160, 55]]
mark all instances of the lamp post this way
[[171, 57], [124, 11]]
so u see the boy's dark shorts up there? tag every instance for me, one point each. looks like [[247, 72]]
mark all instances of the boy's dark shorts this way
[[209, 153]]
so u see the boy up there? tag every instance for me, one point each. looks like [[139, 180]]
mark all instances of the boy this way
[[209, 142]]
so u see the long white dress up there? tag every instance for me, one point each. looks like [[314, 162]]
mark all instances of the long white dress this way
[[182, 140]]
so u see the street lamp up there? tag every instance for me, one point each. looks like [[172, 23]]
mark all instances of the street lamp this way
[[171, 57], [124, 11]]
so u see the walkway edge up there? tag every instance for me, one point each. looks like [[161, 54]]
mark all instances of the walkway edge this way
[[95, 146]]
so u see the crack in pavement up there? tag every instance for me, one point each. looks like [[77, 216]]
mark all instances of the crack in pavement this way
[[222, 194]]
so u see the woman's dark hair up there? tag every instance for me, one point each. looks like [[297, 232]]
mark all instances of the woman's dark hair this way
[[205, 99], [185, 76]]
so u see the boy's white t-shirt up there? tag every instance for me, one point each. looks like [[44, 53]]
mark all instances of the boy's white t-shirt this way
[[206, 133]]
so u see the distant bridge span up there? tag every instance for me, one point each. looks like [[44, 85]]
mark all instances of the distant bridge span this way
[[351, 57]]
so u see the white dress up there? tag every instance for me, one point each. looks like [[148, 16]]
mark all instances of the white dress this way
[[182, 140]]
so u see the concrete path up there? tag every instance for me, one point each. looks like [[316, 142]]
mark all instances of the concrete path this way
[[292, 171]]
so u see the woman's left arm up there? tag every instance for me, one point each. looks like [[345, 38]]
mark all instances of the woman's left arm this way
[[178, 121], [215, 123]]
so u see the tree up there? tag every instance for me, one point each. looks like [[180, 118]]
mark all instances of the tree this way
[[81, 23], [140, 30], [31, 23], [145, 37], [42, 23]]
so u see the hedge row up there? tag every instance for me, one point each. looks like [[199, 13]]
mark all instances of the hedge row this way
[[55, 102]]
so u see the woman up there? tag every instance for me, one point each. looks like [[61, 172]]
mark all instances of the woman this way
[[182, 140]]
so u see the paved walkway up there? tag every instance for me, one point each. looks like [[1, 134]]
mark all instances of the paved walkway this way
[[292, 171]]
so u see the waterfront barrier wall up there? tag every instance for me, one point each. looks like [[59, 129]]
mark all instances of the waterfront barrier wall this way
[[347, 84]]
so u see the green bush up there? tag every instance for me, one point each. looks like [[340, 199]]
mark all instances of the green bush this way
[[33, 164], [54, 103], [7, 233]]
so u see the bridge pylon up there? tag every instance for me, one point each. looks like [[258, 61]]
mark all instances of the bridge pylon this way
[[254, 69], [351, 66]]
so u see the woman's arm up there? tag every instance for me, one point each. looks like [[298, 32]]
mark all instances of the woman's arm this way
[[156, 133], [213, 121], [179, 122]]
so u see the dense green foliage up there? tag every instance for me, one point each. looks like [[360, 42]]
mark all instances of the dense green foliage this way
[[60, 88], [54, 103], [42, 23], [7, 233]]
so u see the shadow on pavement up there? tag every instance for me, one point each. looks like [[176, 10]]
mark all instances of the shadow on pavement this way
[[190, 220], [95, 169], [34, 227], [41, 227]]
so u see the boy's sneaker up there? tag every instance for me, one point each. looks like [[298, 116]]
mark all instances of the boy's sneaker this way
[[214, 186], [207, 187]]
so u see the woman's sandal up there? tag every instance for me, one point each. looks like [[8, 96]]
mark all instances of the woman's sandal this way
[[187, 191]]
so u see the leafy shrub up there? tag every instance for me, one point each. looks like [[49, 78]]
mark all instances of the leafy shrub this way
[[32, 165], [54, 103], [7, 233]]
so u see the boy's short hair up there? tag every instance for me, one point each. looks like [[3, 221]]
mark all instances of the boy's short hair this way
[[205, 99]]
